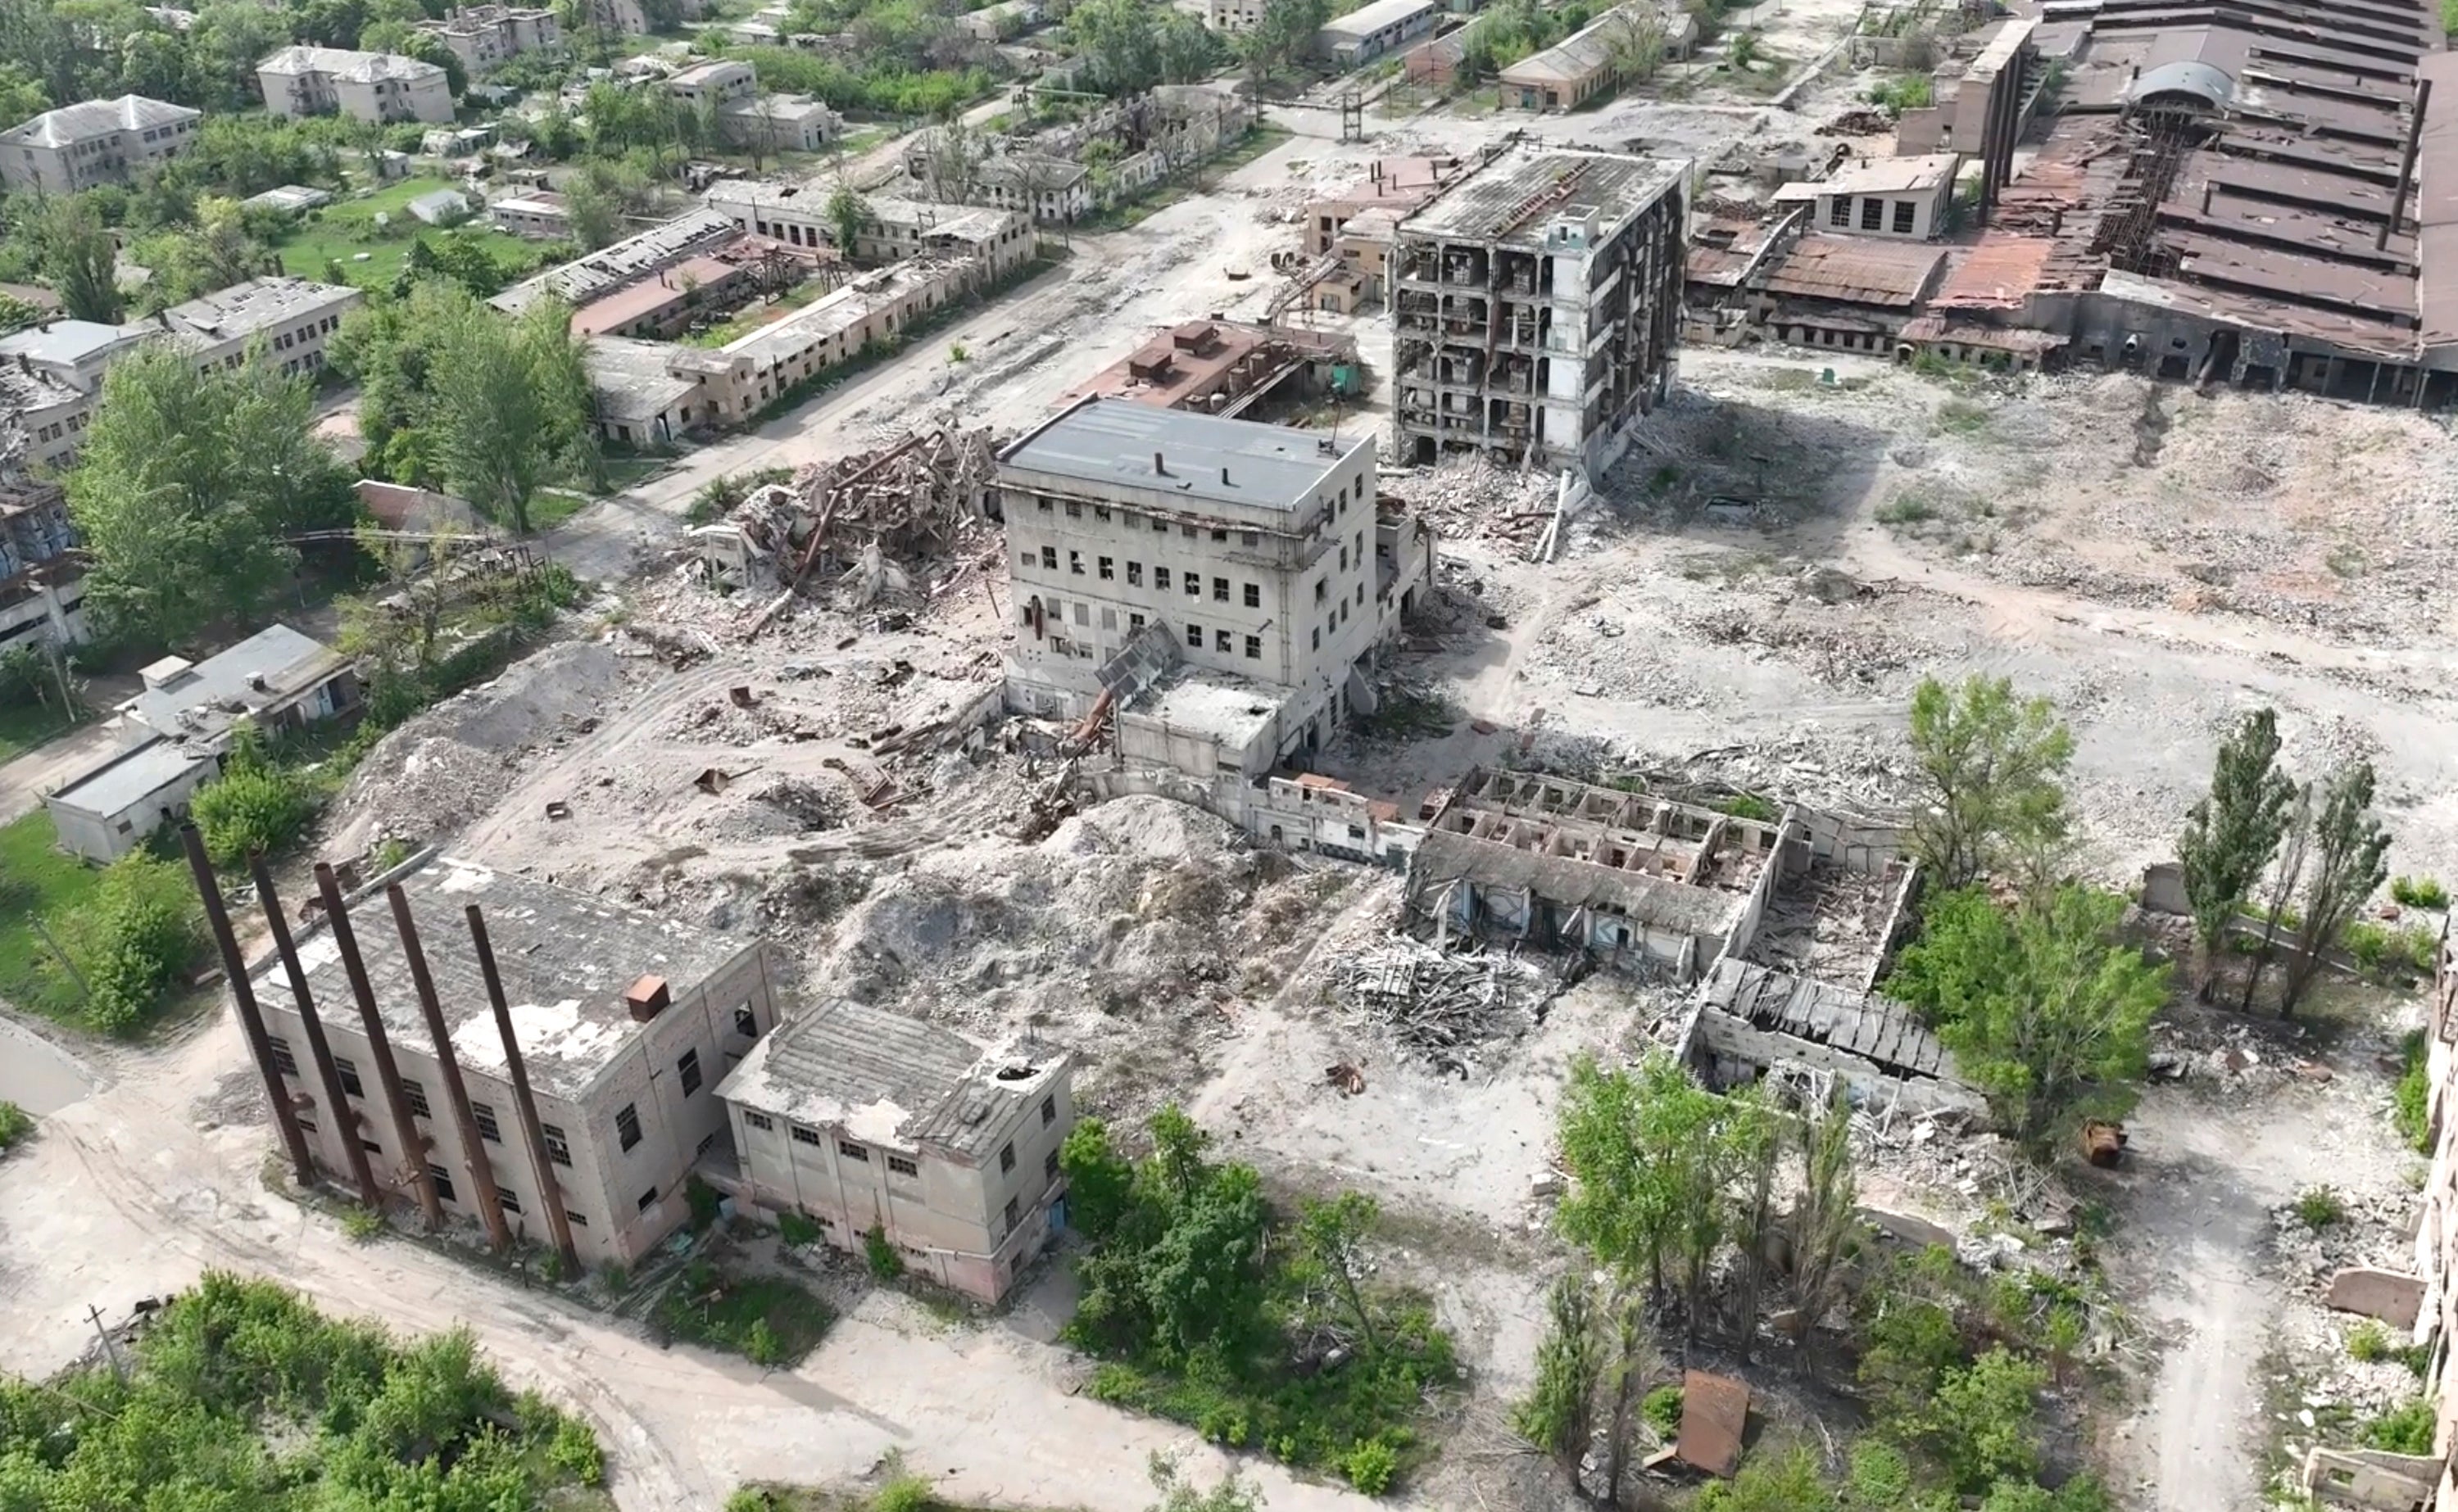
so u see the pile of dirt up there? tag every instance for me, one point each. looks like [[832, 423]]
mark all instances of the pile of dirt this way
[[441, 769]]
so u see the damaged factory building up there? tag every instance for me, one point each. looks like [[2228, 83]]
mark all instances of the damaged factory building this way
[[1205, 590], [1783, 926]]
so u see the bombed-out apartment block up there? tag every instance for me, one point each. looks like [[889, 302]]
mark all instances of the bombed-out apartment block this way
[[1210, 584], [625, 1023], [1785, 923], [860, 1119], [1537, 306]]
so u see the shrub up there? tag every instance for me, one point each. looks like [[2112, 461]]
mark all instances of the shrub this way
[[15, 1124], [1981, 1423], [797, 1228], [2318, 1208], [703, 1199], [1662, 1410], [885, 1262], [614, 1277], [1879, 1477], [363, 1223], [1370, 1465], [906, 1492], [1751, 806], [2420, 892], [573, 1450], [957, 353], [759, 1343], [255, 805], [132, 938], [2411, 1097], [2369, 1343], [749, 1498], [2401, 1430]]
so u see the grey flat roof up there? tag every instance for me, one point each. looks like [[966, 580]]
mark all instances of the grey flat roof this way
[[288, 660], [1369, 19], [1225, 707], [566, 960], [128, 777], [886, 1079], [66, 342], [1614, 185], [1113, 441]]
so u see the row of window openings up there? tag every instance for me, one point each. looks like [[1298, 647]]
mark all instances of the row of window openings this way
[[1873, 214], [504, 1197], [901, 1165], [1160, 526], [558, 1149]]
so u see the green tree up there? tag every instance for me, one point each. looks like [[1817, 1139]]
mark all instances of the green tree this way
[[1825, 1215], [1559, 1415], [2286, 876], [1990, 764], [848, 213], [1100, 1182], [213, 253], [2350, 861], [1786, 1482], [1331, 1242], [2231, 835], [511, 406], [1119, 41], [1981, 1424], [130, 939], [78, 258], [1283, 36], [256, 805], [594, 214], [2046, 1012], [188, 487]]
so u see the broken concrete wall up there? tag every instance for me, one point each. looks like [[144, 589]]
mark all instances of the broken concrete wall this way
[[2371, 1478], [1729, 1051]]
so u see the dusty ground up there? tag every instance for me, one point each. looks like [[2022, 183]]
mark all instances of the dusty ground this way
[[2153, 560]]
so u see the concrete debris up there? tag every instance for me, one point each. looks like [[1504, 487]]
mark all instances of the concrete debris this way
[[1442, 1004]]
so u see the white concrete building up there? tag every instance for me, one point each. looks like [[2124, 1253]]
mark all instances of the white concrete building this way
[[1374, 30], [294, 318], [718, 80], [42, 594], [1215, 582], [1906, 198], [485, 37], [893, 230], [626, 1024], [778, 123], [380, 86], [862, 1119], [540, 215], [97, 142]]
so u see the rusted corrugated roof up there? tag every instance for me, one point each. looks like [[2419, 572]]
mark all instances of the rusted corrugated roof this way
[[1715, 1409], [2436, 205], [2000, 274], [1855, 269]]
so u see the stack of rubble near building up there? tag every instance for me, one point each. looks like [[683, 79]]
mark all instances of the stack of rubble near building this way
[[1535, 309], [862, 517], [1214, 366], [1643, 883]]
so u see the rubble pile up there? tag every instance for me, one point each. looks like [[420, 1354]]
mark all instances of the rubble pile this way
[[1471, 496], [2369, 1229], [858, 519], [1444, 1003]]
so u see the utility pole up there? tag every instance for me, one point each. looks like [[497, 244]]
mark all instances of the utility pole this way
[[93, 1316]]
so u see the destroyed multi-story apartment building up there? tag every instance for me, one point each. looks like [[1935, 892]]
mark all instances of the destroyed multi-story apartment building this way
[[1537, 306], [860, 1119], [623, 1024], [42, 595], [1784, 924], [1211, 584]]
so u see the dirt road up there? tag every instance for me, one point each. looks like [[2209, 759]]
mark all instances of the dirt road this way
[[135, 1188]]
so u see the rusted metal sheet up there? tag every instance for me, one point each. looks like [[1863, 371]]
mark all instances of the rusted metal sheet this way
[[1715, 1409]]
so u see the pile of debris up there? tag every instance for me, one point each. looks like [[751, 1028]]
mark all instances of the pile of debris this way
[[1444, 1003], [1472, 496], [858, 519]]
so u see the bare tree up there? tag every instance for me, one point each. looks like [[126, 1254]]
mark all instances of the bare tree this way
[[1633, 37]]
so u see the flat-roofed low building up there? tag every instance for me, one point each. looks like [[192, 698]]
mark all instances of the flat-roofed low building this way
[[863, 1120], [736, 382], [626, 1024], [77, 147], [623, 262], [664, 305], [114, 808], [713, 82], [796, 214], [52, 413], [1390, 183], [1906, 199], [540, 216], [778, 123], [293, 318], [277, 679], [1372, 29]]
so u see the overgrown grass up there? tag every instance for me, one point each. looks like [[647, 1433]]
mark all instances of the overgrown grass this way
[[1751, 806], [1409, 714], [1908, 506], [766, 1320], [16, 1125], [2373, 1344], [2420, 892], [342, 230], [2387, 955], [1908, 91], [1961, 417], [37, 881], [2406, 1429]]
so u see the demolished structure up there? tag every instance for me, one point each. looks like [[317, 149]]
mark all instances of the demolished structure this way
[[1675, 890], [1214, 366], [1535, 309], [856, 520]]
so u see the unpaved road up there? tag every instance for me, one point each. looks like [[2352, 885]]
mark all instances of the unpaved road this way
[[135, 1189]]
